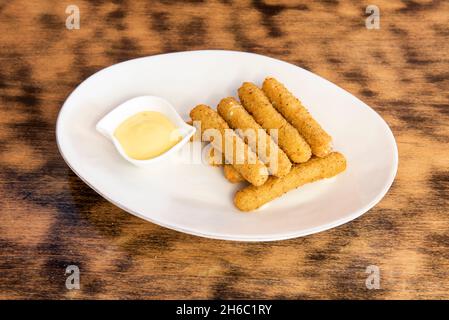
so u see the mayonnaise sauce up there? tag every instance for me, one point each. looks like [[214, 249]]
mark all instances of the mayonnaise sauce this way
[[146, 135]]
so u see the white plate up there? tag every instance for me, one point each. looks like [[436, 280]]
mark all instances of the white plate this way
[[195, 198]]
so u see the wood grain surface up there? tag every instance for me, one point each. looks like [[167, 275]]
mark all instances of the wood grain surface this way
[[50, 219]]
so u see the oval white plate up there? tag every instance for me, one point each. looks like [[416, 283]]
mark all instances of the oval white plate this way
[[195, 198]]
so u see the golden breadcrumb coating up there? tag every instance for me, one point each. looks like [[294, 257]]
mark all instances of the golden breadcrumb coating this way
[[245, 162], [295, 113], [231, 174], [258, 140], [289, 140], [252, 197]]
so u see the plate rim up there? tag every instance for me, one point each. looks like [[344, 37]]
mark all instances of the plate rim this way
[[242, 238]]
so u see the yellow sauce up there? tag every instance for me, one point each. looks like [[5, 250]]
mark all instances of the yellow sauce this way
[[146, 135]]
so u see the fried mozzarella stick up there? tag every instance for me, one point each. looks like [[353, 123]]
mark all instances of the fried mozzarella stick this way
[[231, 174], [289, 140], [228, 170], [255, 136], [251, 197], [216, 159], [292, 109], [246, 162]]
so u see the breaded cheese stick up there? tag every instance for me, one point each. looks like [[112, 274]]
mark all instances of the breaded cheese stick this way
[[228, 170], [255, 136], [246, 162], [251, 197], [214, 157], [257, 104], [295, 113], [231, 174]]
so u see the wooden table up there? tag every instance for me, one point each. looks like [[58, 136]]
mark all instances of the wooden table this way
[[50, 219]]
